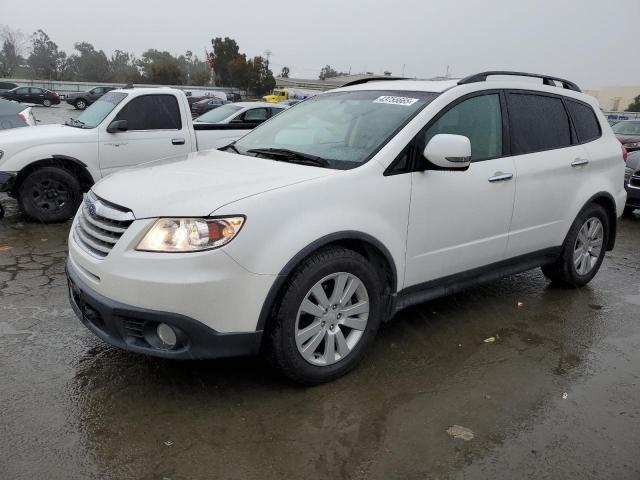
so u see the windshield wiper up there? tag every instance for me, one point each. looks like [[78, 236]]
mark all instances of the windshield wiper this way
[[72, 122], [286, 155]]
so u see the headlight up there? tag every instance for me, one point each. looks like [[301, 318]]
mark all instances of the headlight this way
[[190, 234], [632, 145]]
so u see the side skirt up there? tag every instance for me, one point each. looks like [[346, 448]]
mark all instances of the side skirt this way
[[441, 287]]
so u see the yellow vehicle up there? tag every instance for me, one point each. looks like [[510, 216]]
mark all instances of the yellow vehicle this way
[[282, 94]]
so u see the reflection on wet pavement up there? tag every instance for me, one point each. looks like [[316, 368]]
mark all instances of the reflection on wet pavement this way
[[555, 396]]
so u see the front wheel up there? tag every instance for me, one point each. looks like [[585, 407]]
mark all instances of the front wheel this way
[[46, 103], [328, 316], [80, 104], [583, 250], [50, 194]]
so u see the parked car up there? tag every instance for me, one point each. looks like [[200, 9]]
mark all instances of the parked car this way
[[234, 97], [628, 132], [4, 86], [632, 182], [82, 100], [205, 105], [318, 225], [35, 95], [240, 113], [14, 115], [192, 100], [48, 168]]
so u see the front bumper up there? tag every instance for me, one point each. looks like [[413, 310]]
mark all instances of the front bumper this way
[[7, 180], [134, 329]]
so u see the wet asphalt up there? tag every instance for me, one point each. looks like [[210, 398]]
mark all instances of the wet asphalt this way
[[556, 395]]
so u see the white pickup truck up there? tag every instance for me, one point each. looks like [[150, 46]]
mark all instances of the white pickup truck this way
[[49, 168]]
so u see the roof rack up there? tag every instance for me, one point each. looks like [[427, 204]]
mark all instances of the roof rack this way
[[546, 79], [371, 79]]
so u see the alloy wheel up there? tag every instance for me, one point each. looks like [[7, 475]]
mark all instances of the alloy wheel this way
[[588, 246], [332, 319]]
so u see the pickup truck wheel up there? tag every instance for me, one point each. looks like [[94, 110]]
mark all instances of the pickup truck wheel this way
[[80, 104], [46, 103], [50, 194], [328, 316], [583, 250]]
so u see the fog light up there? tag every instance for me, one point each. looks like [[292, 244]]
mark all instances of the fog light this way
[[166, 334]]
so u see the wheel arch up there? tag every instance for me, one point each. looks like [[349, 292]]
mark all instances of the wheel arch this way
[[369, 247], [606, 201], [72, 164]]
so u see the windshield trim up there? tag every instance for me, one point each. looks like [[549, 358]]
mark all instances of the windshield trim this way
[[428, 96]]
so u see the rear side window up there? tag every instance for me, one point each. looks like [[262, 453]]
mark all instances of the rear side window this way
[[537, 123], [584, 120], [152, 112]]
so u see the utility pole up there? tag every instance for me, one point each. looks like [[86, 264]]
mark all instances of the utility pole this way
[[268, 53]]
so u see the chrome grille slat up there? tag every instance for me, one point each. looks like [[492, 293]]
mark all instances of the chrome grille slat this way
[[99, 225]]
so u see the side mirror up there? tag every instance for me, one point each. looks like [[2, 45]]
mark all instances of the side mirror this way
[[452, 152], [117, 126]]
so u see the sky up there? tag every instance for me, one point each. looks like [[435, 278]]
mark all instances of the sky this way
[[592, 42]]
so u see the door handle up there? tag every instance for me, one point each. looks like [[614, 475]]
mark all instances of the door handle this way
[[501, 177], [579, 162], [177, 141]]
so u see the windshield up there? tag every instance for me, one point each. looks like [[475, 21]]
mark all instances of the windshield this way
[[98, 111], [219, 114], [627, 128], [344, 128]]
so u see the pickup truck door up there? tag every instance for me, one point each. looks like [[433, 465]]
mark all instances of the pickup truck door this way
[[155, 130]]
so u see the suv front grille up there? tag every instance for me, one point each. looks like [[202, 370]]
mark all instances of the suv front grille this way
[[100, 225]]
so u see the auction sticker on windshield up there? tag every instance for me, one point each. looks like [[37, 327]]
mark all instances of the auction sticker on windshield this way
[[391, 100]]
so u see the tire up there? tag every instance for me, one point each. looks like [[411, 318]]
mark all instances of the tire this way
[[333, 266], [50, 194], [46, 102], [582, 252], [80, 104]]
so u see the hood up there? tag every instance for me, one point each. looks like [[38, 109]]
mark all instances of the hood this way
[[199, 183], [14, 140]]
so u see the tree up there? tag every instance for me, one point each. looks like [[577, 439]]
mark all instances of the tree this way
[[88, 65], [160, 68], [261, 79], [13, 46], [194, 70], [285, 72], [328, 72], [123, 68], [225, 54], [46, 61], [635, 105]]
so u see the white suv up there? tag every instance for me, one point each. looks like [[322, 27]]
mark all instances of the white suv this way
[[305, 234]]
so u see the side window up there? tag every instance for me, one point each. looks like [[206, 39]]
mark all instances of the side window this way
[[255, 115], [152, 112], [275, 111], [22, 91], [477, 118], [537, 123], [584, 120], [37, 91]]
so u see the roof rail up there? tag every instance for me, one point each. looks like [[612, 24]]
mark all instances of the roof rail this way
[[371, 79], [546, 79]]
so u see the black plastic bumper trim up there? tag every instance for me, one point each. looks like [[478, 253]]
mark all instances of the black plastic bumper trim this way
[[7, 180], [200, 341]]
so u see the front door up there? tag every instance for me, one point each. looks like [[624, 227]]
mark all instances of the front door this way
[[154, 131], [459, 220]]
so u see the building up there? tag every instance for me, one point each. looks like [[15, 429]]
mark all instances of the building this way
[[615, 99]]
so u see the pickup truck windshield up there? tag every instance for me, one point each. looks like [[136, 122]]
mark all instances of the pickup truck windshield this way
[[98, 111], [345, 129], [219, 114], [627, 128]]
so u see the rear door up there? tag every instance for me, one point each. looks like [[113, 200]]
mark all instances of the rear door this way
[[155, 130], [550, 167], [36, 95]]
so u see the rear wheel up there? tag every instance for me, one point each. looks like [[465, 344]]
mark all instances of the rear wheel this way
[[50, 194], [583, 250], [46, 102], [80, 104], [328, 316]]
